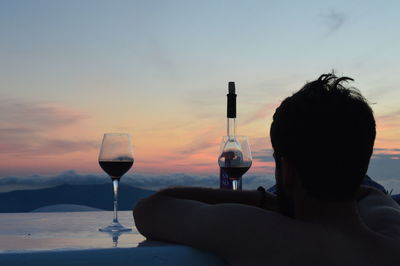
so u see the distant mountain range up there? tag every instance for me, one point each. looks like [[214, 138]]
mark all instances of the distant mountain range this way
[[95, 196]]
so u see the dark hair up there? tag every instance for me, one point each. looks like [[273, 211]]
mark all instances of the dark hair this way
[[327, 131]]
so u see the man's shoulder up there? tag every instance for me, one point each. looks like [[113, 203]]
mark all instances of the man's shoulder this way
[[279, 240], [380, 213], [321, 247]]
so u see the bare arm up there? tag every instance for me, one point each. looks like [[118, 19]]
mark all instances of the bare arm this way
[[218, 196], [213, 227]]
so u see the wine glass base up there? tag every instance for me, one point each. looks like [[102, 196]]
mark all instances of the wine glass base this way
[[115, 227]]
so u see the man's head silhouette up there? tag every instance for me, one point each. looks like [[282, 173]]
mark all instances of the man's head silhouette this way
[[325, 132]]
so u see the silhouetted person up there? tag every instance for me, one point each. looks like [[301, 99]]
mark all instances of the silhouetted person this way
[[322, 137]]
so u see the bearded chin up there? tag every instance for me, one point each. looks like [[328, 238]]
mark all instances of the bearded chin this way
[[285, 203]]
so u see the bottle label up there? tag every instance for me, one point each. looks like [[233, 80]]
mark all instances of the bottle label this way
[[226, 183]]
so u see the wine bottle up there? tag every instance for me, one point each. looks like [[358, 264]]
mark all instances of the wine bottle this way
[[224, 181]]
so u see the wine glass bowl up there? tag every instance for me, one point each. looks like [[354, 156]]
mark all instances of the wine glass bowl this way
[[235, 157], [116, 158]]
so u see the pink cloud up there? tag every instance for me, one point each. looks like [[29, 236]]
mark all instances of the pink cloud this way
[[27, 128], [263, 113]]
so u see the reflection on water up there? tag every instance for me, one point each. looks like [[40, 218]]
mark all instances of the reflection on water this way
[[74, 230], [115, 236]]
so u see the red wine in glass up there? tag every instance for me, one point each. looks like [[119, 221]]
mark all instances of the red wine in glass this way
[[116, 158], [235, 172], [116, 169], [235, 158]]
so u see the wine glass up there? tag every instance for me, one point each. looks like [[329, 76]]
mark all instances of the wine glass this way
[[116, 158], [235, 158]]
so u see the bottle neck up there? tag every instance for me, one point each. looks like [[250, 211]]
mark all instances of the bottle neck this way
[[231, 130]]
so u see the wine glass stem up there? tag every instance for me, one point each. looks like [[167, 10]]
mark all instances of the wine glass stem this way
[[115, 185], [235, 184]]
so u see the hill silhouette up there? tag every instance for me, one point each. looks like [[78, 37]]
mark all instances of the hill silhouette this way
[[97, 196]]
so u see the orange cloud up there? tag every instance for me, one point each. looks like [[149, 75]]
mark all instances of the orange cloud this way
[[33, 138], [388, 130], [263, 113]]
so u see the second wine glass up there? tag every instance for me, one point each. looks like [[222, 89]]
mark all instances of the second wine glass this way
[[235, 158], [116, 158]]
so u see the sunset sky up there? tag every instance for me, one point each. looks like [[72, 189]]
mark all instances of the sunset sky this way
[[73, 70]]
